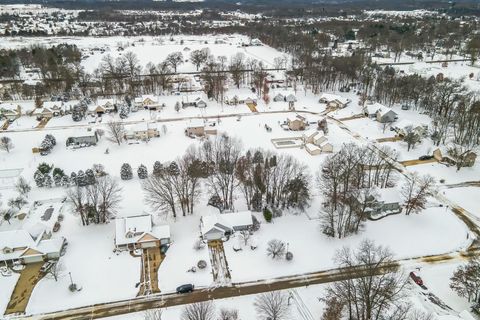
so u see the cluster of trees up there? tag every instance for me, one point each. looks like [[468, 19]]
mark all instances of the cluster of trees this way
[[23, 188], [379, 292], [348, 177], [266, 179], [465, 281], [453, 108], [272, 305], [97, 202]]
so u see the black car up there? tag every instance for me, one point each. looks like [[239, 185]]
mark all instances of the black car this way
[[185, 288], [425, 157]]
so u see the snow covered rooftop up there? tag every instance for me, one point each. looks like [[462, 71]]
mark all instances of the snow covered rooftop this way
[[334, 97], [389, 195], [228, 220], [15, 239], [196, 123], [131, 229]]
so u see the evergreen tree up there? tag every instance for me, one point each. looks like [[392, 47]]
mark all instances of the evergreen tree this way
[[81, 179], [90, 177], [157, 168], [65, 181], [44, 168], [142, 172], [173, 169], [51, 139], [73, 178], [48, 181], [126, 172], [39, 178], [124, 111]]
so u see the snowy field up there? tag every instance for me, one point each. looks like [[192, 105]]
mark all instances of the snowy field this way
[[152, 49]]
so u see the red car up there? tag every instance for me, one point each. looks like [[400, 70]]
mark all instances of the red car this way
[[416, 278]]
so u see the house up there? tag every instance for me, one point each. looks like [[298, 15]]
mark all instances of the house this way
[[194, 101], [83, 140], [138, 232], [148, 102], [386, 115], [218, 226], [285, 96], [42, 113], [324, 145], [381, 201], [102, 106], [196, 127], [402, 126], [19, 246], [241, 99], [370, 109], [140, 133], [313, 149], [309, 135], [296, 123], [56, 107], [334, 101], [10, 111]]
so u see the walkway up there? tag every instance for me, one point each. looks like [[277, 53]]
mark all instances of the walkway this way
[[29, 277], [218, 260], [152, 258], [414, 162]]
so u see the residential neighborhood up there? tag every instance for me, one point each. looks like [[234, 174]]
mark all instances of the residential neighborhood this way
[[219, 160]]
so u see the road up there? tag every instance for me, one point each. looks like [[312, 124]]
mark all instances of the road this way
[[241, 289]]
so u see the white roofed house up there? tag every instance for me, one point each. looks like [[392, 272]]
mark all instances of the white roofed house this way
[[285, 96], [402, 126], [296, 123], [148, 102], [10, 111], [141, 132], [218, 226], [138, 232], [56, 107], [102, 106], [20, 246], [334, 100], [386, 115]]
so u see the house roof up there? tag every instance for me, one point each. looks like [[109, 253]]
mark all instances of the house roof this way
[[334, 97], [311, 147], [226, 221], [196, 123], [389, 195], [15, 239], [311, 133], [139, 226]]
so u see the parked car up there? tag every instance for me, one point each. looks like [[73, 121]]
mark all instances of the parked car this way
[[416, 278], [185, 288], [405, 107], [426, 157]]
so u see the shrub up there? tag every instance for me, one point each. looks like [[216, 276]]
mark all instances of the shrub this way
[[289, 256], [267, 214]]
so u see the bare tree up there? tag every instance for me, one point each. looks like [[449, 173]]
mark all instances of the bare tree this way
[[199, 311], [228, 314], [222, 153], [159, 192], [153, 314], [17, 202], [23, 187], [78, 197], [465, 281], [276, 248], [333, 309], [116, 132], [56, 270], [6, 144], [415, 192], [272, 305], [377, 292], [174, 59], [245, 236], [411, 137]]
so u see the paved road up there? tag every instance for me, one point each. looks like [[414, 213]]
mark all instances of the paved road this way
[[240, 289]]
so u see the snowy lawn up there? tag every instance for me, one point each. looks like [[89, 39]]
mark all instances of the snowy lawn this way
[[7, 284], [313, 251], [467, 197], [101, 274]]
